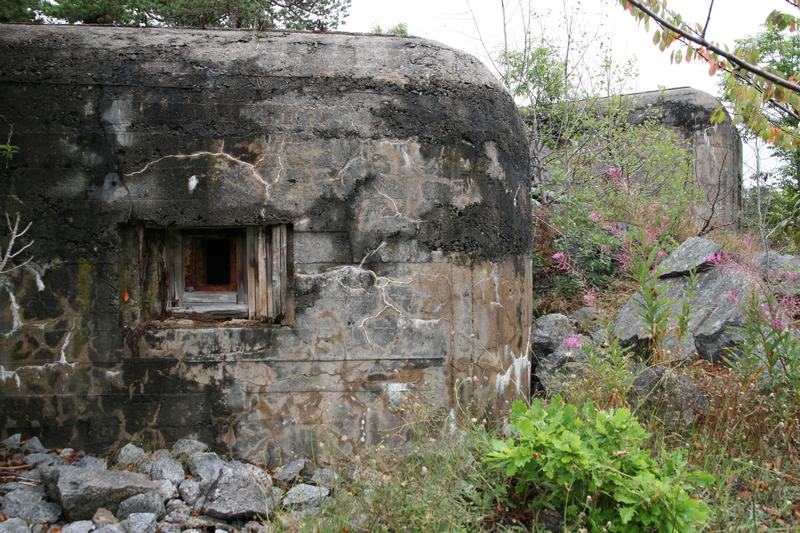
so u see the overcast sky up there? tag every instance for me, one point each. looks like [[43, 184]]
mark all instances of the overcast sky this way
[[476, 26]]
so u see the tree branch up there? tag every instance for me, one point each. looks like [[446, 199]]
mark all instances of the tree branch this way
[[741, 63], [708, 19]]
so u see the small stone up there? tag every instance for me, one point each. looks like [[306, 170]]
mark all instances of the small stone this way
[[564, 364], [179, 505], [33, 445], [324, 477], [149, 502], [66, 452], [41, 457], [81, 526], [256, 527], [29, 504], [13, 442], [130, 455], [548, 332], [169, 469], [189, 490], [111, 528], [291, 472], [166, 527], [303, 495], [103, 517], [166, 489], [161, 453], [233, 496], [14, 525], [141, 523], [91, 463], [205, 467], [185, 448], [177, 517]]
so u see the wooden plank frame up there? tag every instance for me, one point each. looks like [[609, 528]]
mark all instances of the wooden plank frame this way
[[262, 276], [267, 272]]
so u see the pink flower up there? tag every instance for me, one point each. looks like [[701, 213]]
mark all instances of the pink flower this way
[[661, 253], [559, 256], [595, 217], [572, 342]]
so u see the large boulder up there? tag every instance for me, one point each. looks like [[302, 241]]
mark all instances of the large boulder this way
[[715, 311], [81, 491], [694, 253]]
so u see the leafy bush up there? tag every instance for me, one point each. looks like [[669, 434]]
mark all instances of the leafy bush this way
[[590, 465]]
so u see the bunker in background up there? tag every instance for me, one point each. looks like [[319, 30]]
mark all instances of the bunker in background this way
[[717, 148], [257, 238]]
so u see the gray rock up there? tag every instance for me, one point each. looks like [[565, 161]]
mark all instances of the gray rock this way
[[567, 361], [166, 489], [714, 319], [169, 469], [141, 523], [252, 473], [161, 453], [585, 319], [693, 253], [548, 332], [189, 490], [29, 504], [205, 466], [13, 442], [103, 517], [176, 504], [33, 445], [147, 502], [782, 272], [81, 526], [185, 448], [290, 473], [91, 462], [235, 496], [303, 495], [112, 528], [130, 455], [14, 525], [325, 477], [256, 527], [671, 396], [82, 491], [177, 517], [166, 527], [41, 457]]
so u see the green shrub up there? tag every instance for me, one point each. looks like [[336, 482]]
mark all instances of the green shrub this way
[[590, 465]]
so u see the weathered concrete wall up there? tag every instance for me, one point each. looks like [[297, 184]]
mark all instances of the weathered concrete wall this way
[[401, 165], [717, 148]]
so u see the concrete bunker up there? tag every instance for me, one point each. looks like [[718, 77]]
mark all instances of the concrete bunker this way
[[257, 239]]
